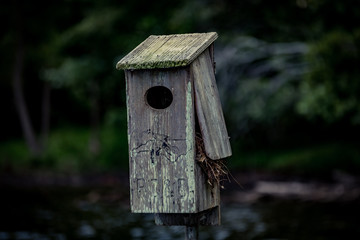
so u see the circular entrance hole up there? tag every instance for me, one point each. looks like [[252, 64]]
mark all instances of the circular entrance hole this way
[[159, 97]]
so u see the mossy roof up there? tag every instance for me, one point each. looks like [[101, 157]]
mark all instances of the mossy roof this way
[[167, 51]]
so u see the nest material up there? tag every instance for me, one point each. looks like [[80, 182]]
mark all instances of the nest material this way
[[215, 170]]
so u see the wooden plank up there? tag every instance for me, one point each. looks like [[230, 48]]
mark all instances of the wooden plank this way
[[208, 217], [167, 51], [208, 108], [161, 143], [207, 196], [212, 56]]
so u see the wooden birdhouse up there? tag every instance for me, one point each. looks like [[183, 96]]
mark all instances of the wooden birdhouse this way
[[172, 95]]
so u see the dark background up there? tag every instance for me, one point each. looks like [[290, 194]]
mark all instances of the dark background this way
[[287, 71], [288, 76]]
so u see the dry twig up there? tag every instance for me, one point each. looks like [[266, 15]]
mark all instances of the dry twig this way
[[215, 170]]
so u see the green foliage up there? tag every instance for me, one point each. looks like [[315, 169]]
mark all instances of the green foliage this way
[[258, 81], [331, 88], [267, 75], [73, 73], [14, 155], [306, 160], [114, 151], [67, 150]]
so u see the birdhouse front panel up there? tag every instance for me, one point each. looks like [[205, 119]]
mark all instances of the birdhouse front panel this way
[[161, 125]]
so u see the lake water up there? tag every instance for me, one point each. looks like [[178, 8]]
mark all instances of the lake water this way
[[64, 213]]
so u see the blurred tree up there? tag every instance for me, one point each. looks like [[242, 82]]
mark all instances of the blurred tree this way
[[17, 78], [23, 37], [27, 31], [86, 71], [331, 89], [74, 45], [89, 49], [258, 82]]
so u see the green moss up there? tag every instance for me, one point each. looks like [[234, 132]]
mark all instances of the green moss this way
[[167, 51]]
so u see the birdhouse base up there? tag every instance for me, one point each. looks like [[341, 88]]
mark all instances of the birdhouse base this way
[[208, 217]]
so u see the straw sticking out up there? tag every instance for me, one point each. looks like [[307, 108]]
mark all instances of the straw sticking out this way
[[215, 170]]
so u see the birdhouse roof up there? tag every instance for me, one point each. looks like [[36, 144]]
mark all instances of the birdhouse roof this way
[[167, 51]]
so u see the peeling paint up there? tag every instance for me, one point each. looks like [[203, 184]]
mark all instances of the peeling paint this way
[[190, 144]]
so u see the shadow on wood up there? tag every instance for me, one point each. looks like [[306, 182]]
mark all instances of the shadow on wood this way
[[208, 217]]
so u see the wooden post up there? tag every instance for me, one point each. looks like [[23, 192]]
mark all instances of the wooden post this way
[[192, 232]]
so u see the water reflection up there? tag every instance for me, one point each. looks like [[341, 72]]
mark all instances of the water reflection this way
[[64, 213], [237, 220]]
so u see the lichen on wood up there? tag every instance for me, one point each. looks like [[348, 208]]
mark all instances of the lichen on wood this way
[[167, 51]]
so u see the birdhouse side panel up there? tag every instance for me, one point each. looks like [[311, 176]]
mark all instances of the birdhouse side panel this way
[[161, 141], [208, 108], [208, 196]]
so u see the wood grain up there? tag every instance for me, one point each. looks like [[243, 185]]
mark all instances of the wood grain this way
[[164, 177], [167, 51], [161, 143], [208, 108]]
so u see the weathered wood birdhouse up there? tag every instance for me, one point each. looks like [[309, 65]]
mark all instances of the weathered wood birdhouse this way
[[171, 95]]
